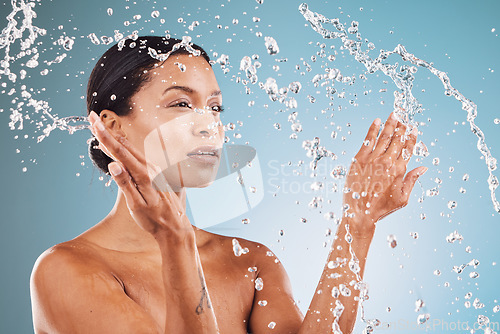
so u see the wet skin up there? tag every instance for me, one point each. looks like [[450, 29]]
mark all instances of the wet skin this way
[[145, 269]]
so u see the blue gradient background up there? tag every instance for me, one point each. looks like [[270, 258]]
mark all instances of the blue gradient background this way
[[49, 204]]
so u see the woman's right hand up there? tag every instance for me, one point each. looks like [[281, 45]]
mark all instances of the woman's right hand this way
[[154, 211]]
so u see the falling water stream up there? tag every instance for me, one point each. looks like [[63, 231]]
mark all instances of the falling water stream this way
[[406, 106]]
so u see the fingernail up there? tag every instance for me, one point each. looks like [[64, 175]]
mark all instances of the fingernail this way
[[92, 117], [393, 115], [423, 170], [114, 169], [377, 121]]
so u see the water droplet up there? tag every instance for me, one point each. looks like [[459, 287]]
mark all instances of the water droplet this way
[[68, 44], [437, 272], [295, 87], [435, 161], [477, 304], [419, 303], [237, 249], [245, 221], [155, 14], [94, 39], [271, 45], [422, 318], [420, 149], [391, 239], [482, 320], [344, 290], [181, 66], [262, 302], [339, 172], [303, 220], [454, 236], [110, 11], [272, 324], [432, 192], [452, 205], [473, 274], [296, 127], [113, 97], [259, 284]]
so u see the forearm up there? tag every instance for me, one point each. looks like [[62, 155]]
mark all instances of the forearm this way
[[189, 309], [335, 299]]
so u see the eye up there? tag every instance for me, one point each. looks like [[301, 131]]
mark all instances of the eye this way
[[218, 108], [182, 104]]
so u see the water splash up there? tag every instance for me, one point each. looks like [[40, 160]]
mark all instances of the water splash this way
[[237, 249], [406, 106], [12, 33], [27, 35], [184, 43]]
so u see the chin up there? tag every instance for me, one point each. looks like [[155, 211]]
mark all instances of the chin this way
[[201, 180]]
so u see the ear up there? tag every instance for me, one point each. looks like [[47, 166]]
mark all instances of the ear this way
[[113, 122]]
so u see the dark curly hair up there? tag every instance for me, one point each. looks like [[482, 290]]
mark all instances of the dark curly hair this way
[[121, 72]]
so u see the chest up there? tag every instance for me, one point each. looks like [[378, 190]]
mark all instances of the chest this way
[[230, 286]]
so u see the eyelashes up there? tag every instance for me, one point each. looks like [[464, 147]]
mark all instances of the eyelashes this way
[[217, 108]]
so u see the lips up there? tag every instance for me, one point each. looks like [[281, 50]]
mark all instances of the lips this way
[[202, 151]]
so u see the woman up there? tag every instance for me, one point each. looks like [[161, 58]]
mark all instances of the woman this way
[[154, 103]]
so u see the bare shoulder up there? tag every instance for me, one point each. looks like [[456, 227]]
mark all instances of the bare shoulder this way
[[61, 282], [73, 255], [241, 248]]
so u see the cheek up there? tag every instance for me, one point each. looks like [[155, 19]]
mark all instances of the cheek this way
[[168, 140]]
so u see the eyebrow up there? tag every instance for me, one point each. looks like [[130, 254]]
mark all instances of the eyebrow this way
[[189, 90]]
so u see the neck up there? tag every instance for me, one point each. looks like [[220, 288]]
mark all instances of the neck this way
[[121, 232]]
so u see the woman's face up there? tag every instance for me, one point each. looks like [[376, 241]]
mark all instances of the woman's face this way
[[174, 114]]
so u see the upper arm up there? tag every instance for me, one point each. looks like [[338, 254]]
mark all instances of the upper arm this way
[[74, 294], [277, 304]]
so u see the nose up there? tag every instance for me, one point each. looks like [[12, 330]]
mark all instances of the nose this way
[[205, 123]]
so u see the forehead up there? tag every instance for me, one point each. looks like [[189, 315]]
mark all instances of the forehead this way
[[185, 68]]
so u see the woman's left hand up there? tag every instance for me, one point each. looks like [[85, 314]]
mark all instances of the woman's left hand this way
[[377, 180]]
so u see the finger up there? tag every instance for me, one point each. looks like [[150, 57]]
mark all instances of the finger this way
[[385, 137], [158, 178], [95, 121], [397, 142], [411, 140], [409, 181], [126, 185], [370, 138], [121, 150]]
